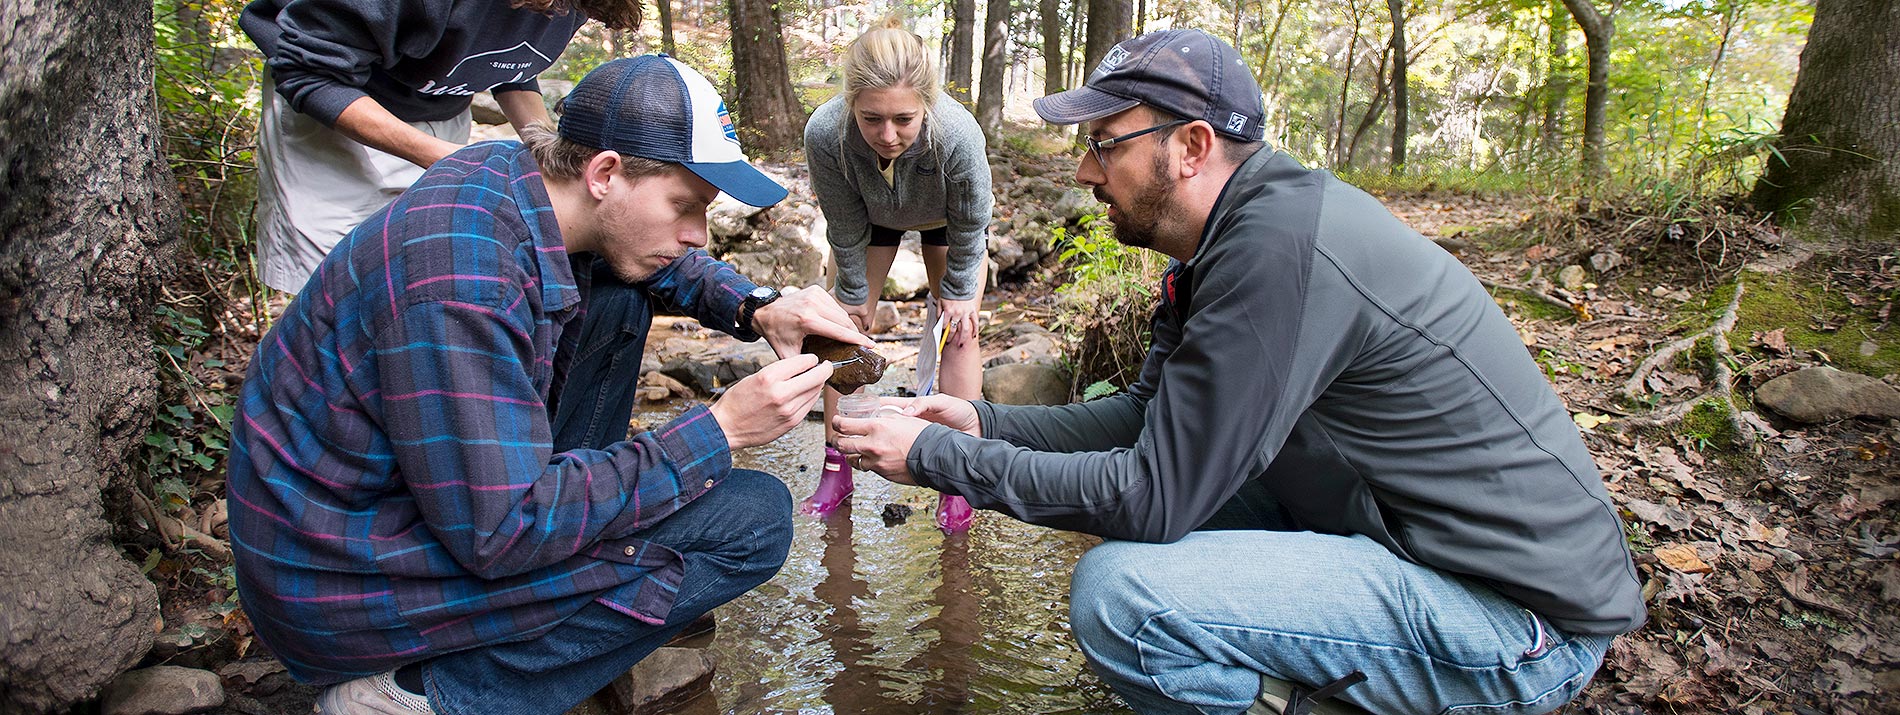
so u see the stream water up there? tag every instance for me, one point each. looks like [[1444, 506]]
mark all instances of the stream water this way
[[869, 618]]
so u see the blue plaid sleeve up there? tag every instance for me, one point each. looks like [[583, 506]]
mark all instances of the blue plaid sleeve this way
[[472, 441], [702, 287]]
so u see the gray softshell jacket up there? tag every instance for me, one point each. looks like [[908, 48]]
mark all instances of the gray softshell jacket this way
[[1317, 344]]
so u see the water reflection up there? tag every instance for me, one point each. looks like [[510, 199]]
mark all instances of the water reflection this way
[[871, 619]]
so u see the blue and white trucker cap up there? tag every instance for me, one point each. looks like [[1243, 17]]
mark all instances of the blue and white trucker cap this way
[[655, 107]]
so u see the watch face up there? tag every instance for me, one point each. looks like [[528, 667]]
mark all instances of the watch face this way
[[763, 292]]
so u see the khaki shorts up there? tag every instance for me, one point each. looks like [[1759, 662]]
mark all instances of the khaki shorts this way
[[314, 185]]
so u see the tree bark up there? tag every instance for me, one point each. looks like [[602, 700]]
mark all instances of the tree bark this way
[[89, 210], [1400, 97], [765, 111], [1108, 24], [1598, 30], [1345, 87], [1556, 79], [989, 96], [1052, 77], [666, 28], [1837, 164], [961, 42]]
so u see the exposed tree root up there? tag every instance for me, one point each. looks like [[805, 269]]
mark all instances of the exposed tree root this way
[[1748, 427], [1548, 298]]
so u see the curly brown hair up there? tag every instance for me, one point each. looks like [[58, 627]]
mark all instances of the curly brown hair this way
[[615, 14]]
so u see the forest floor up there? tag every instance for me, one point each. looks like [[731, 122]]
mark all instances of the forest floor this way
[[1769, 552]]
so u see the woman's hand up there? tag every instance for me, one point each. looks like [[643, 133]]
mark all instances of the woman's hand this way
[[862, 314], [959, 319]]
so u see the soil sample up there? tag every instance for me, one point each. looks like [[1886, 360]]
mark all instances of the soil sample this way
[[862, 366]]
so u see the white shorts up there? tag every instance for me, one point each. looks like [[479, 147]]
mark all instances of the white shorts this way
[[314, 185]]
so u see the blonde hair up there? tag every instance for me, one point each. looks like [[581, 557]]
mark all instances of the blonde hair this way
[[890, 56]]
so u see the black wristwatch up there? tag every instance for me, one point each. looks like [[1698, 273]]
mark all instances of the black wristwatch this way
[[759, 297]]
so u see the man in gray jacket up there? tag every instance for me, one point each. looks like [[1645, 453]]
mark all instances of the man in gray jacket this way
[[1339, 470]]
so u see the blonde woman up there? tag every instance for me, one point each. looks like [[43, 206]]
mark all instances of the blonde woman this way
[[892, 153]]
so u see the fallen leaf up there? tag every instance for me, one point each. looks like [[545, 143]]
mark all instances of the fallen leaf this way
[[1774, 340], [1667, 516], [1889, 580], [1682, 557], [1587, 421], [1777, 536], [1795, 585]]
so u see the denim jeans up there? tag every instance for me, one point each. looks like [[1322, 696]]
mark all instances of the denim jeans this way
[[1191, 626], [733, 537]]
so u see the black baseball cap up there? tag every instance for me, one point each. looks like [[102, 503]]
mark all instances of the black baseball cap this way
[[1187, 73], [655, 107]]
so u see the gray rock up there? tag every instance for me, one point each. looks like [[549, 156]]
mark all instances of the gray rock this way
[[1824, 394], [907, 278], [719, 363], [1030, 349], [1571, 277], [884, 318], [1025, 384], [162, 690], [1075, 204], [661, 681], [486, 110]]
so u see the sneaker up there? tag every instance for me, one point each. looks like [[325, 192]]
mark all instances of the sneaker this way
[[1275, 695], [375, 695], [954, 514], [834, 484]]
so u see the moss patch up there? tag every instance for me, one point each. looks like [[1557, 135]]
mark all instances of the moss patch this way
[[1707, 424], [1816, 316]]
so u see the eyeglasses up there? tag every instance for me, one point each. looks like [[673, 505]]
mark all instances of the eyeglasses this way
[[1097, 147]]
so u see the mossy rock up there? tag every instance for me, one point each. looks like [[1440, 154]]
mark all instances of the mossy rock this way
[[1796, 302]]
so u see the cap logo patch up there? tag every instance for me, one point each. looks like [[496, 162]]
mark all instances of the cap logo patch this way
[[1236, 123], [725, 123], [1115, 57]]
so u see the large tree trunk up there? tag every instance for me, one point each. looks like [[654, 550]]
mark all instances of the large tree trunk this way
[[989, 96], [765, 110], [1052, 47], [1556, 79], [962, 42], [1400, 97], [87, 207], [1837, 164], [1598, 30], [1108, 24]]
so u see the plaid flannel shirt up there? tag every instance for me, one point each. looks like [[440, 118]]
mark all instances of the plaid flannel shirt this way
[[394, 490]]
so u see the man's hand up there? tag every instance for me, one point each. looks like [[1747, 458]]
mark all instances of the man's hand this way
[[770, 402], [797, 313], [959, 319], [953, 412], [880, 444]]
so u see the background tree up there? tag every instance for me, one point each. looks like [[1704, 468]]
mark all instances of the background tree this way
[[1838, 159], [989, 96], [666, 28], [1107, 24], [1556, 79], [1400, 101], [88, 208], [1598, 30], [961, 43], [1052, 54], [766, 112]]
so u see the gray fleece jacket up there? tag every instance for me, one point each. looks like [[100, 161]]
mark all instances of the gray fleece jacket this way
[[947, 180], [1360, 373]]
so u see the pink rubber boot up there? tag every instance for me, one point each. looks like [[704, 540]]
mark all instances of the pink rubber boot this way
[[954, 514], [834, 484]]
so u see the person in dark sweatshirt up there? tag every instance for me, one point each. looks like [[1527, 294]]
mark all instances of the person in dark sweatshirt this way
[[360, 96], [1339, 475]]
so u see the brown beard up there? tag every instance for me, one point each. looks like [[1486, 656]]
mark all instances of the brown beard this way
[[1142, 215]]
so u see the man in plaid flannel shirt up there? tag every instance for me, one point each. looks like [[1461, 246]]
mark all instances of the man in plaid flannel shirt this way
[[435, 506]]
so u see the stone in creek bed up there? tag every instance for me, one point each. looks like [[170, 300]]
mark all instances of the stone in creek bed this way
[[849, 378], [895, 514]]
